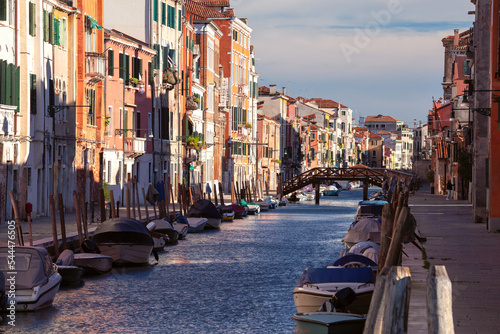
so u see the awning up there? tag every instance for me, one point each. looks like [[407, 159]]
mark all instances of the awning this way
[[94, 23]]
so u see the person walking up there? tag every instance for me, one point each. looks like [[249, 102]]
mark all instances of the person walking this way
[[449, 188]]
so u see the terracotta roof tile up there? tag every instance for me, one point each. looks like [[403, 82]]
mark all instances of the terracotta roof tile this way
[[381, 118], [203, 12], [385, 132]]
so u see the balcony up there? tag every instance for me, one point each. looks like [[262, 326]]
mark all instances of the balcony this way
[[95, 67], [135, 147]]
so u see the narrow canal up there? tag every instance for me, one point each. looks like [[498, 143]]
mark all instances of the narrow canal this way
[[236, 280]]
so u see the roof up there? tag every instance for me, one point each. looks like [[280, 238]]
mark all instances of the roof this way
[[385, 132], [360, 128], [374, 135], [198, 8], [381, 118], [221, 3]]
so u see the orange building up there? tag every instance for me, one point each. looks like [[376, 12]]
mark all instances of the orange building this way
[[91, 67]]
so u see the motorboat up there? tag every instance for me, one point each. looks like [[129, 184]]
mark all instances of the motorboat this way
[[203, 208], [252, 208], [283, 201], [159, 239], [331, 191], [126, 240], [273, 203], [239, 211], [370, 209], [264, 206], [367, 249], [164, 227], [329, 323], [367, 229], [71, 274], [317, 285], [227, 213], [92, 263], [196, 225], [37, 280]]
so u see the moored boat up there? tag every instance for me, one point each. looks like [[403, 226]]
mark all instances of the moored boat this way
[[203, 208], [227, 213], [367, 229], [329, 323], [37, 280], [71, 274], [93, 264], [126, 240], [239, 211], [331, 191], [164, 227], [196, 225]]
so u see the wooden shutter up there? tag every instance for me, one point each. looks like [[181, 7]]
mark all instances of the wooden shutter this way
[[139, 65], [155, 10], [16, 87], [163, 13], [32, 27], [111, 62], [3, 81], [179, 20], [45, 26], [10, 79], [56, 32], [150, 73], [51, 28], [3, 10], [127, 67], [134, 68], [33, 94], [122, 66]]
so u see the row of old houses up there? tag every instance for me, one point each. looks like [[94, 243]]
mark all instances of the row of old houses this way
[[107, 93], [459, 141]]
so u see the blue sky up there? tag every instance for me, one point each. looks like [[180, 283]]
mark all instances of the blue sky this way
[[375, 56]]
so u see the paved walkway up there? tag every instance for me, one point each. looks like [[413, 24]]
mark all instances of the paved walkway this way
[[469, 253]]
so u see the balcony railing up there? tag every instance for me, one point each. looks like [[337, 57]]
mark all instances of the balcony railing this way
[[95, 67]]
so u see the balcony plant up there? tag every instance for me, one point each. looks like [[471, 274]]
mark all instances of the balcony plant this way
[[196, 142], [191, 104], [170, 76], [248, 125], [133, 82]]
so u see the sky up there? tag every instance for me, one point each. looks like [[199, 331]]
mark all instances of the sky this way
[[374, 56]]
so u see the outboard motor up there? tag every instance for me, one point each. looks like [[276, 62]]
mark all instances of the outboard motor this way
[[343, 298], [88, 246]]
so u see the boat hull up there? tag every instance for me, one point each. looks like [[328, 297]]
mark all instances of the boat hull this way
[[71, 275], [93, 263], [329, 323], [309, 298], [127, 254], [213, 223], [331, 193], [38, 297], [196, 225]]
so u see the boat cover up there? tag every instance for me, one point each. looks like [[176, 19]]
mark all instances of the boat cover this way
[[226, 208], [33, 266], [332, 275], [66, 258], [203, 208], [122, 230], [162, 225], [366, 248], [237, 208], [367, 229], [350, 258]]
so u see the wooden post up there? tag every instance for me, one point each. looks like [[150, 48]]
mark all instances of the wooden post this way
[[84, 217], [78, 221], [385, 235], [365, 190], [179, 198], [221, 193], [154, 209], [191, 197], [54, 226], [215, 194], [202, 194], [30, 234], [172, 197], [233, 199], [388, 311], [145, 204], [316, 193], [439, 302], [102, 205], [133, 183], [16, 218], [187, 203], [249, 192], [167, 199], [127, 196], [394, 252], [112, 198], [63, 222], [136, 190], [267, 188]]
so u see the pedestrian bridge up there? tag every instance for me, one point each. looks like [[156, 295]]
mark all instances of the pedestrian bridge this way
[[322, 175]]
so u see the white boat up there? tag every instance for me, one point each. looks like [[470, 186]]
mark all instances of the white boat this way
[[126, 240], [181, 225], [159, 239], [317, 285], [93, 264], [253, 209], [329, 323], [273, 203], [37, 280], [263, 206], [165, 227], [196, 225], [71, 274]]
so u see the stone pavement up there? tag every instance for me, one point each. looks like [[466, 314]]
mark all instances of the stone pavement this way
[[469, 253]]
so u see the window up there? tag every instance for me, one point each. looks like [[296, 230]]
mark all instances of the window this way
[[138, 123], [137, 68], [374, 153], [91, 102], [111, 62], [163, 13], [33, 94], [179, 19], [467, 67], [32, 13], [171, 17], [155, 10]]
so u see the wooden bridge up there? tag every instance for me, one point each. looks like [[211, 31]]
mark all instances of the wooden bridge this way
[[322, 175]]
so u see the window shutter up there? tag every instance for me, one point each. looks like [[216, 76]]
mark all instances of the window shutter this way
[[134, 68], [16, 88], [150, 73], [51, 28], [45, 26], [165, 57], [3, 81], [121, 65], [179, 14], [127, 67], [33, 94], [8, 93], [56, 32], [139, 65], [155, 10], [164, 13], [32, 27], [3, 10], [111, 62]]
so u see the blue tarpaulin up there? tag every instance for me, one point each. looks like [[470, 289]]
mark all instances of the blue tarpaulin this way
[[330, 275]]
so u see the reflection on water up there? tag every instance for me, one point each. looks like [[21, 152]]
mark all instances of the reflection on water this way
[[236, 280]]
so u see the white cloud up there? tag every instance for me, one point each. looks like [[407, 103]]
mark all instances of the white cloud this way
[[397, 72]]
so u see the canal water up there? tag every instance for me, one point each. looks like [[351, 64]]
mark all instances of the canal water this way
[[235, 280]]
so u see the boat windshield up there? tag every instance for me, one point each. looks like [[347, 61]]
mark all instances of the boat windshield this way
[[21, 262]]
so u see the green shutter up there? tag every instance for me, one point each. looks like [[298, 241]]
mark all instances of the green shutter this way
[[45, 26], [8, 93], [16, 88], [127, 67], [111, 62], [51, 28], [3, 10], [155, 10], [139, 63], [3, 81], [134, 68], [32, 26], [120, 65], [56, 32], [163, 13], [150, 73], [179, 19]]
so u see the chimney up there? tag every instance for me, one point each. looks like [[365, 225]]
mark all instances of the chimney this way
[[284, 90], [229, 12], [456, 37], [272, 89]]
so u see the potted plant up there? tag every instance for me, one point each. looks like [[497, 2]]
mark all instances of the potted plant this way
[[191, 104], [248, 125]]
